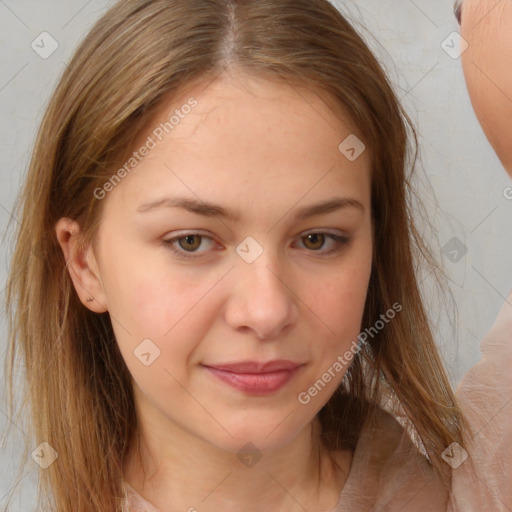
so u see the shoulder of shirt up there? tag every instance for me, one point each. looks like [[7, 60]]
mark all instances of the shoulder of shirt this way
[[485, 395], [389, 471]]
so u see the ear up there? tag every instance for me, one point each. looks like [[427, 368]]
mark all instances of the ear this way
[[82, 266]]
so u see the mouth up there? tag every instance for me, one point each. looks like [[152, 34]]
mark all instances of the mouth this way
[[255, 377]]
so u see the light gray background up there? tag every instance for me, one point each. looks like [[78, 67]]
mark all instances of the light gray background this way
[[457, 161]]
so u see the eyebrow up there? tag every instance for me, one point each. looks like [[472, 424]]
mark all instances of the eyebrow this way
[[207, 209]]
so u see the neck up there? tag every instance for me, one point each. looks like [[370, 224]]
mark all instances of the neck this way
[[191, 474]]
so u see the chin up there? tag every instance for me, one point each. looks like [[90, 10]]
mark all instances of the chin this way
[[266, 436]]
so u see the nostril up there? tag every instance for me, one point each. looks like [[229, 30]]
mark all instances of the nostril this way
[[457, 10]]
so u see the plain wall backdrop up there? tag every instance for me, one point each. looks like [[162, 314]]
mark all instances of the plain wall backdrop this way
[[417, 42]]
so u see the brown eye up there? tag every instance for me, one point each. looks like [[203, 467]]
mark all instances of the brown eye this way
[[187, 245], [189, 242], [317, 240]]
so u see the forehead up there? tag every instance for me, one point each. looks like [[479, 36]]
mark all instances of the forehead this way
[[219, 95], [256, 142]]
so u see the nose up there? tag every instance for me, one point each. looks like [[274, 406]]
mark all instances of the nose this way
[[261, 300], [457, 10]]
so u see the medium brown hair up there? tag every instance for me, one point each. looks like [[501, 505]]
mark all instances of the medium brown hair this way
[[140, 53]]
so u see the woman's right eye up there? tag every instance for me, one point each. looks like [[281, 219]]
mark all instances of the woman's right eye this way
[[192, 241]]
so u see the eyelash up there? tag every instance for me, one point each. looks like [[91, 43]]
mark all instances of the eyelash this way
[[341, 243]]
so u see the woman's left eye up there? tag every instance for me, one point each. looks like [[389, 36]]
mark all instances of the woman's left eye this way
[[190, 242], [339, 242]]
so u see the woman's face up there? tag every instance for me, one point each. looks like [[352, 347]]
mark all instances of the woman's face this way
[[487, 27], [205, 261]]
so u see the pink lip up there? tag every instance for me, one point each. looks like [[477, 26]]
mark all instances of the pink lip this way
[[254, 377]]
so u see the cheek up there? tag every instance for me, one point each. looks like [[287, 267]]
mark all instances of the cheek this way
[[340, 300], [166, 320], [341, 303], [168, 307], [151, 302], [144, 293]]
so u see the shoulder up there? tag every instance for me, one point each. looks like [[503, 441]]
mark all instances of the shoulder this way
[[485, 396], [389, 472], [494, 367]]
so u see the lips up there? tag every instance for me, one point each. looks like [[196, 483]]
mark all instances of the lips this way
[[256, 367], [256, 377]]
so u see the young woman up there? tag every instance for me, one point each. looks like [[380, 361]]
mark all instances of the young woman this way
[[213, 289]]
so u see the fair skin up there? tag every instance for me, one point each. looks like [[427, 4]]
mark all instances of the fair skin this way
[[487, 27], [265, 150]]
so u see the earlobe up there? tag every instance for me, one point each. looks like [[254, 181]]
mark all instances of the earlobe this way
[[81, 265]]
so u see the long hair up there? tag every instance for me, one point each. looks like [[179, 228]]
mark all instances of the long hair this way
[[140, 53]]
